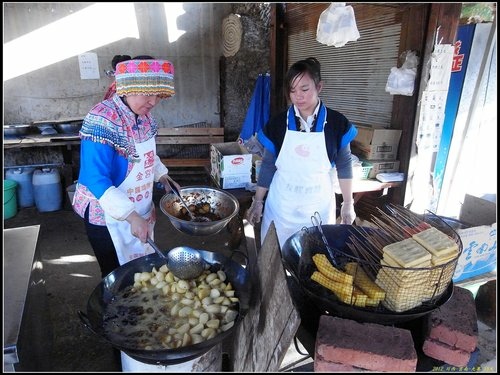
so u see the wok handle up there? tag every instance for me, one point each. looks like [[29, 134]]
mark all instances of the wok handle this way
[[85, 321], [242, 254]]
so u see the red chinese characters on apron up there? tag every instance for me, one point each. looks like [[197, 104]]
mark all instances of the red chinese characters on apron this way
[[301, 185], [138, 185]]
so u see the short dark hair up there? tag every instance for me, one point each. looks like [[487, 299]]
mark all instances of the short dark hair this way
[[118, 59], [310, 65]]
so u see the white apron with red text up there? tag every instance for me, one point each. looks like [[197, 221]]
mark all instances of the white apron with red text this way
[[301, 186], [138, 185]]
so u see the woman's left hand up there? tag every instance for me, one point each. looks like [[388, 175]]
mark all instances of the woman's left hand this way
[[347, 213]]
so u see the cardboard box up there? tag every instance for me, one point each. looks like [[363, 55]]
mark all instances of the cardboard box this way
[[372, 143], [234, 181], [479, 254], [382, 166], [229, 158]]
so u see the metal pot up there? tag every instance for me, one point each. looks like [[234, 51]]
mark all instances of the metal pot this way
[[222, 203], [69, 128], [123, 277], [297, 254], [16, 130]]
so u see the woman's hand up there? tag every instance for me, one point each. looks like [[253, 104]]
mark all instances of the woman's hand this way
[[139, 227], [347, 213], [254, 213]]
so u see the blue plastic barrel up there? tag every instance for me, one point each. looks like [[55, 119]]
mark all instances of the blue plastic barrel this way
[[47, 189], [24, 178]]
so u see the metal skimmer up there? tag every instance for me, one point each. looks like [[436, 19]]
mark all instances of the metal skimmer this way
[[185, 262]]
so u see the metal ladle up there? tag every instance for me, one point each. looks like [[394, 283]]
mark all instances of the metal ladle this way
[[185, 262]]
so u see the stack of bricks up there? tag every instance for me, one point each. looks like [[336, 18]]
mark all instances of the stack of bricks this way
[[346, 345], [451, 331]]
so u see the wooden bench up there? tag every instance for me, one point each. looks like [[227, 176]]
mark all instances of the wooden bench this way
[[189, 136]]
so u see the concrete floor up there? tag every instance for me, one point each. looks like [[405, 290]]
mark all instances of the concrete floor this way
[[72, 273]]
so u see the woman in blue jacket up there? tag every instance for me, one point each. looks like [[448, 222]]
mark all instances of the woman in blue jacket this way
[[119, 164], [303, 147]]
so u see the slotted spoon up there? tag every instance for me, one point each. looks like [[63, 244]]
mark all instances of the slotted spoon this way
[[185, 262]]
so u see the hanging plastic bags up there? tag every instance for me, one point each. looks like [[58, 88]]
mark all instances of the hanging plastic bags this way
[[401, 81], [337, 25]]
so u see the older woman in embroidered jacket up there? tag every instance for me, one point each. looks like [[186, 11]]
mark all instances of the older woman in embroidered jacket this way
[[119, 164]]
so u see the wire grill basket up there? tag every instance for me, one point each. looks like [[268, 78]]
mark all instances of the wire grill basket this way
[[414, 287]]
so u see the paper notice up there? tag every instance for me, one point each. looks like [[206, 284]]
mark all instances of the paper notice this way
[[89, 66]]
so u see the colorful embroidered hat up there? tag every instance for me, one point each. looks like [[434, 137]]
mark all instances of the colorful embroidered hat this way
[[145, 77]]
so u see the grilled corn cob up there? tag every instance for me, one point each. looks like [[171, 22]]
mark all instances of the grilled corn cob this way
[[363, 282], [342, 291], [326, 268]]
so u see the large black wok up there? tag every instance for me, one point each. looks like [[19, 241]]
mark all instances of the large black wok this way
[[297, 254], [123, 277]]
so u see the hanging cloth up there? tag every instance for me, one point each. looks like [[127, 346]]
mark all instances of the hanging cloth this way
[[259, 109]]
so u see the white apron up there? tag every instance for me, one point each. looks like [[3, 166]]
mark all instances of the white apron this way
[[138, 186], [301, 185]]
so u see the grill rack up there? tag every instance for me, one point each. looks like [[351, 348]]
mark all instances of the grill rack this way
[[408, 290]]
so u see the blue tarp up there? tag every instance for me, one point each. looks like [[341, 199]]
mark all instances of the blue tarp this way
[[259, 109]]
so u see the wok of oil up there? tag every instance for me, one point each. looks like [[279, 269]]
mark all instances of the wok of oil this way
[[139, 320]]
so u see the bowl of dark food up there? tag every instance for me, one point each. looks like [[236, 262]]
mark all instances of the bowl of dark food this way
[[212, 209]]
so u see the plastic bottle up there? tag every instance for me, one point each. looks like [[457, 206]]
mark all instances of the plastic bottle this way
[[24, 177], [48, 189]]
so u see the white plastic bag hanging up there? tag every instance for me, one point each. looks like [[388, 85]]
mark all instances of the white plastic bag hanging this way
[[337, 25], [401, 81]]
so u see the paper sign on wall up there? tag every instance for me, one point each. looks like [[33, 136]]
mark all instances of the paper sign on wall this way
[[441, 62], [89, 66], [431, 119]]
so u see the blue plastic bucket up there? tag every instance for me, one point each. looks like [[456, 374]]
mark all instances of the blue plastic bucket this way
[[48, 190], [24, 177], [9, 199]]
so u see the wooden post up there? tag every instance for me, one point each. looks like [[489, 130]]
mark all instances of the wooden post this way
[[263, 337]]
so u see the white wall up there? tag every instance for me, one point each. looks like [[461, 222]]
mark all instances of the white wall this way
[[56, 91]]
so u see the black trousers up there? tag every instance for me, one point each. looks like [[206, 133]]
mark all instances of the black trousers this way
[[103, 246]]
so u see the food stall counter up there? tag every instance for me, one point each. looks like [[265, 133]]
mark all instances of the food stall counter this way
[[27, 327]]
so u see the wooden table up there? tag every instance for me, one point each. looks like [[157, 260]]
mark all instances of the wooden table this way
[[64, 141], [362, 187], [37, 140]]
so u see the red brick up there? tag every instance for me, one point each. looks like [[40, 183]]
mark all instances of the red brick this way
[[365, 345], [321, 365], [455, 322], [446, 353]]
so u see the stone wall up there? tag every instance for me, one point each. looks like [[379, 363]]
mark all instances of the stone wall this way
[[240, 72], [209, 87]]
